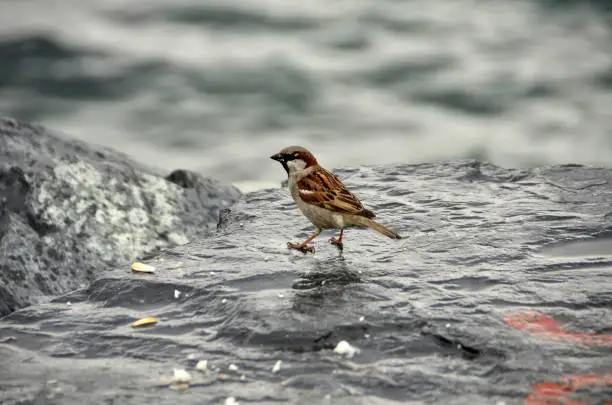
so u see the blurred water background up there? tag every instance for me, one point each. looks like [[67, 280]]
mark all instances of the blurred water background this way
[[218, 86]]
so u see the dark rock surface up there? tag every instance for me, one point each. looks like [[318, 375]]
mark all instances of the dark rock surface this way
[[427, 311], [69, 210]]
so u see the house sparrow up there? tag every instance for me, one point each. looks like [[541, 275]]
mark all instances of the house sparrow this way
[[322, 198]]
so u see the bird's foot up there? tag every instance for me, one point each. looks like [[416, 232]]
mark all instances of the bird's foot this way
[[337, 242], [301, 247]]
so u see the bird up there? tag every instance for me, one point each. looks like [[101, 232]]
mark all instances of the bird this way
[[323, 198]]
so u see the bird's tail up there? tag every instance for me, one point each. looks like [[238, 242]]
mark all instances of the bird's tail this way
[[375, 225]]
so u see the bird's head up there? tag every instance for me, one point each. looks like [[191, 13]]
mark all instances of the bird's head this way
[[295, 158]]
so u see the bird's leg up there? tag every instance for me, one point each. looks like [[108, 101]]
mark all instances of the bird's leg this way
[[303, 247], [338, 242]]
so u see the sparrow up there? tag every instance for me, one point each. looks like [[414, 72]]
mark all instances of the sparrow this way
[[323, 199]]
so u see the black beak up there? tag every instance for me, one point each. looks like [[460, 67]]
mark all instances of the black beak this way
[[278, 157], [282, 159]]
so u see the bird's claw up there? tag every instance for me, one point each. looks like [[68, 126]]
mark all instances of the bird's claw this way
[[337, 242], [301, 247]]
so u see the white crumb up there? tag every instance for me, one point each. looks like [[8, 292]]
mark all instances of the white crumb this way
[[345, 349], [231, 401], [202, 365], [181, 376]]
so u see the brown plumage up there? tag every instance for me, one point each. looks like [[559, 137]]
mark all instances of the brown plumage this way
[[322, 189]]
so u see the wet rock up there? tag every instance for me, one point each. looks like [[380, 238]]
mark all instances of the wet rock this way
[[427, 311], [69, 210]]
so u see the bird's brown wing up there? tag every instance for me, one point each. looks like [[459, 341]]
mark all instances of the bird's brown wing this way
[[323, 189]]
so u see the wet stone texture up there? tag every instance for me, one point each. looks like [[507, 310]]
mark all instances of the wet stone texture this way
[[427, 311], [69, 210]]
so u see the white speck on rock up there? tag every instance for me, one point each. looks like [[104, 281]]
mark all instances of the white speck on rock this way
[[202, 365], [361, 319], [231, 401], [277, 366], [233, 367], [181, 376], [177, 294], [343, 348], [223, 301], [281, 295]]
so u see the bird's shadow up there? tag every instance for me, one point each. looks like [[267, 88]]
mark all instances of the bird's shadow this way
[[324, 285], [330, 273]]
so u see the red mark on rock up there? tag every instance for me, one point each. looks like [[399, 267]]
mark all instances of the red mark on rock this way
[[540, 324], [551, 393], [558, 393]]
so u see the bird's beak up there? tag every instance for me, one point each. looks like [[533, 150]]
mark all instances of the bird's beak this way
[[282, 159]]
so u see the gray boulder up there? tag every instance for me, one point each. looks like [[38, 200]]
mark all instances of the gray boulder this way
[[69, 210], [427, 311]]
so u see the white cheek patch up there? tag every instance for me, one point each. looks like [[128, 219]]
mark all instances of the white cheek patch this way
[[296, 164], [307, 192]]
